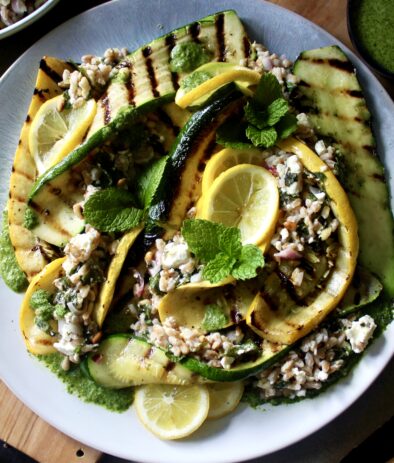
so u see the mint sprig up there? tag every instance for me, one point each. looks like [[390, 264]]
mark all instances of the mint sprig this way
[[221, 250], [112, 210], [267, 119]]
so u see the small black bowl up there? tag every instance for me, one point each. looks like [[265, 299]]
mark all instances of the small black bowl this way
[[351, 26]]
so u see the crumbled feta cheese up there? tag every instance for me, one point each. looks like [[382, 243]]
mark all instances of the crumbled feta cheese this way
[[360, 332]]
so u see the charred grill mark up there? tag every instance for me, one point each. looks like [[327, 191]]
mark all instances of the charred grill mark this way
[[170, 42], [46, 213], [28, 119], [379, 177], [22, 174], [342, 65], [246, 45], [147, 51], [302, 83], [152, 77], [369, 148], [40, 93], [288, 285], [166, 119], [219, 25], [209, 150], [107, 110], [355, 93], [170, 366], [194, 31], [49, 71], [269, 300], [130, 88]]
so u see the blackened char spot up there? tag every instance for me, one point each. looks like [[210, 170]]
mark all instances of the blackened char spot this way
[[170, 366], [236, 317], [355, 93], [302, 83], [170, 42], [130, 89], [40, 92], [49, 71], [288, 285], [194, 31], [219, 25], [379, 177], [147, 51], [28, 119], [369, 148]]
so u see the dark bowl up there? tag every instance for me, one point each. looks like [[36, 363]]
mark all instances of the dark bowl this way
[[351, 26]]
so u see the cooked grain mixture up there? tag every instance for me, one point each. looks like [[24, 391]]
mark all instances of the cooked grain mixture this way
[[12, 11]]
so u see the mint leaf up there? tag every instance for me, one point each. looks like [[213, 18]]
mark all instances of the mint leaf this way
[[276, 110], [214, 318], [149, 181], [251, 258], [230, 241], [231, 134], [261, 138], [194, 79], [268, 90], [256, 116], [202, 237], [286, 126], [112, 210], [218, 268]]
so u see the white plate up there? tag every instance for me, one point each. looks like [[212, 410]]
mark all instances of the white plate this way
[[246, 433], [31, 18]]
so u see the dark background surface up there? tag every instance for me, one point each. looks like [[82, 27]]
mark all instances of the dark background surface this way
[[379, 445]]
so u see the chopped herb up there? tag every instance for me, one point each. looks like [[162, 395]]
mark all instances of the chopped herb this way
[[214, 318], [187, 56], [30, 219]]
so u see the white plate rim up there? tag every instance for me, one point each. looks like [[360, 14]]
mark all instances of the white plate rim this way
[[29, 19], [373, 351]]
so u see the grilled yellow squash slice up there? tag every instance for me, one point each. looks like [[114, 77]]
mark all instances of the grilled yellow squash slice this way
[[288, 322]]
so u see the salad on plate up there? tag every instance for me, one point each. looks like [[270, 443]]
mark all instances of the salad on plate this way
[[198, 222]]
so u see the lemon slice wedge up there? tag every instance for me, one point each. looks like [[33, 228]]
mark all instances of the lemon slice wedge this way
[[244, 196], [222, 73], [53, 133], [224, 398], [227, 158], [172, 412]]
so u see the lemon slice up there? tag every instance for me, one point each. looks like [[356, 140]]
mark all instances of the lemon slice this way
[[226, 158], [224, 398], [172, 412], [53, 133], [222, 73], [244, 196]]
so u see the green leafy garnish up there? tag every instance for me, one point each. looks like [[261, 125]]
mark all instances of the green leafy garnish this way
[[268, 90], [194, 79], [112, 210], [231, 134], [267, 119], [214, 318], [264, 138], [220, 249], [149, 180]]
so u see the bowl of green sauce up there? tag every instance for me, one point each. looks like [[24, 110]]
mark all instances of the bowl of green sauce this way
[[371, 30]]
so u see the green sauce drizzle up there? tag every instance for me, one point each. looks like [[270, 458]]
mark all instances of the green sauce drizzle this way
[[10, 271], [30, 219], [188, 56], [77, 383]]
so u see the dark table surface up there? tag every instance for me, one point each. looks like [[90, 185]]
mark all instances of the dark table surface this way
[[379, 442]]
